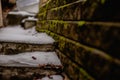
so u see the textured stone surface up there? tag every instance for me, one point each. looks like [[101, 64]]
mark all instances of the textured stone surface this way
[[93, 60], [25, 73], [91, 44], [28, 24], [74, 71], [15, 19], [71, 11], [49, 4], [104, 36], [15, 48], [105, 10]]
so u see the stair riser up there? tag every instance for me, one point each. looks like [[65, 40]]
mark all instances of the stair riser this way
[[24, 73], [14, 48]]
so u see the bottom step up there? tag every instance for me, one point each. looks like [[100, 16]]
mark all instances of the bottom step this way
[[29, 74], [12, 73], [31, 66]]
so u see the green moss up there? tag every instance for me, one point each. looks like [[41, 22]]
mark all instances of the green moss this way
[[102, 1], [44, 13], [81, 23], [85, 74], [66, 26]]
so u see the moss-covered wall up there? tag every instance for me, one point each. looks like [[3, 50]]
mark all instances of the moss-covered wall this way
[[87, 34]]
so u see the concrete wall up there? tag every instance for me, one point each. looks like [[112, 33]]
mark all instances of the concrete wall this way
[[87, 33]]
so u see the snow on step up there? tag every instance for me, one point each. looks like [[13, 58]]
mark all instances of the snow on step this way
[[53, 77], [24, 13], [30, 59], [18, 34]]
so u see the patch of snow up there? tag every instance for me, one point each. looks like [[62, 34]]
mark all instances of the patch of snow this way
[[20, 35], [53, 77], [28, 5], [29, 19], [23, 3], [26, 59], [21, 13]]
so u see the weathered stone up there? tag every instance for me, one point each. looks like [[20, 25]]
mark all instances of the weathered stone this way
[[102, 10], [101, 35], [87, 44], [95, 61], [49, 4], [15, 19], [17, 73], [74, 71], [29, 24], [70, 11], [15, 48]]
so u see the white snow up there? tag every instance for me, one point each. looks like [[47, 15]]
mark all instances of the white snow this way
[[20, 35], [21, 13], [31, 6], [54, 77], [26, 59], [29, 19]]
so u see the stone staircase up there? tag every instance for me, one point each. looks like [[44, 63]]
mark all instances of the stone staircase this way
[[28, 55]]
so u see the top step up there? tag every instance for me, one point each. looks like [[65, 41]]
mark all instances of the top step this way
[[18, 35]]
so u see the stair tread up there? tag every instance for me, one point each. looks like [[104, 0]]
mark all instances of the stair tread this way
[[31, 59], [19, 35]]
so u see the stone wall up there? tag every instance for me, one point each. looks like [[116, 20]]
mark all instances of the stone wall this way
[[87, 32], [1, 20]]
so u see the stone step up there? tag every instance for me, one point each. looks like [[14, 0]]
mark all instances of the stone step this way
[[37, 74], [19, 35], [15, 39], [27, 73], [31, 59], [30, 74], [15, 17], [28, 65], [29, 22]]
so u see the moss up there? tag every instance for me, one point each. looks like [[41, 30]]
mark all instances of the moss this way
[[92, 50], [65, 26], [41, 14], [81, 23], [85, 74], [102, 1], [62, 43], [66, 5]]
